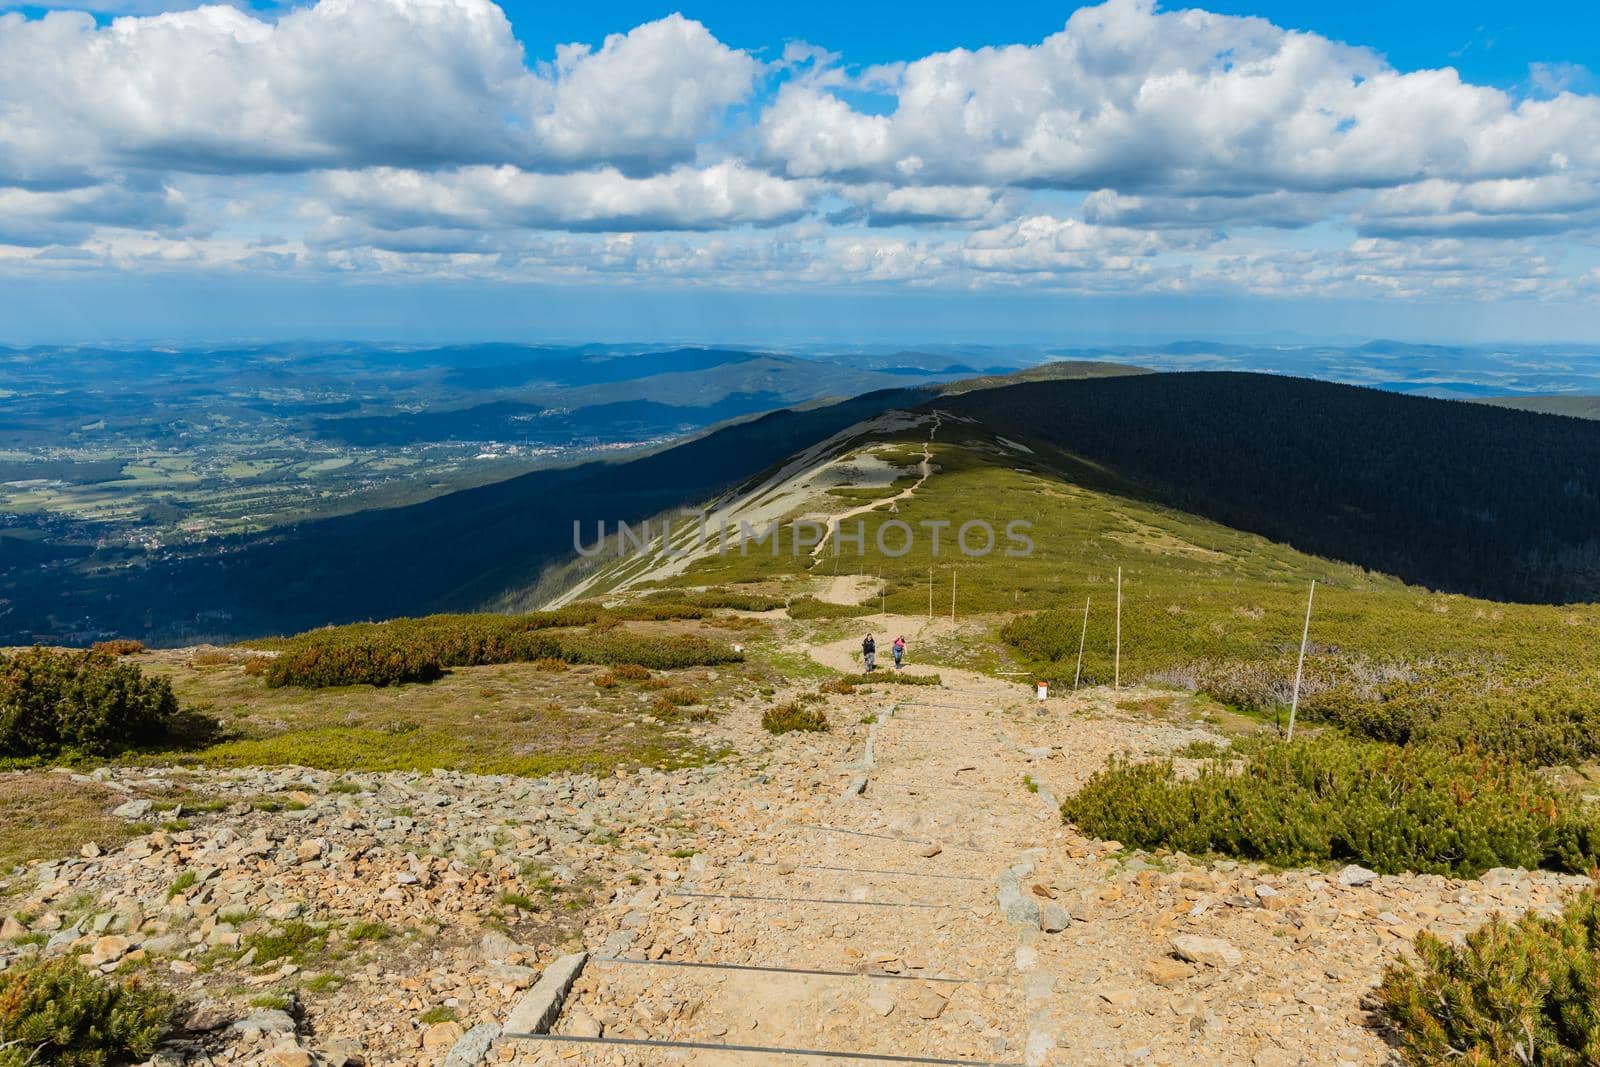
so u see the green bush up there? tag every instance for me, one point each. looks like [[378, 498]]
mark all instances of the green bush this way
[[348, 656], [714, 599], [419, 650], [670, 703], [660, 652], [734, 601], [788, 718], [121, 646], [656, 610], [58, 1012], [1525, 992], [809, 607], [1330, 799], [53, 700], [1538, 717], [584, 613], [899, 678], [1525, 687]]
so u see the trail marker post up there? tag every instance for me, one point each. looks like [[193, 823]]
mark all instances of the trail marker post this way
[[1300, 668], [1116, 670], [1081, 638]]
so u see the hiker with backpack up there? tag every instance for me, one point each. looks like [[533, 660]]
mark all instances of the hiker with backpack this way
[[869, 651], [899, 651]]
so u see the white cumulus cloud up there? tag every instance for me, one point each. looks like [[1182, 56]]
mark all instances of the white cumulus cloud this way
[[1139, 100], [494, 198], [347, 83], [1137, 149]]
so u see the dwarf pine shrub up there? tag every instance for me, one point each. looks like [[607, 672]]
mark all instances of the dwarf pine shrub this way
[[809, 607], [734, 600], [898, 678], [789, 718], [1331, 799], [120, 646], [1538, 717], [352, 656], [657, 610], [53, 700], [419, 650], [1521, 992], [661, 652], [61, 1013], [712, 599]]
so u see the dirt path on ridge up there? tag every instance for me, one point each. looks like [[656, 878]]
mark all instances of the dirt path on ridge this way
[[903, 886], [924, 470]]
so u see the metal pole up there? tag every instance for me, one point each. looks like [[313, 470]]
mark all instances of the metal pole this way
[[1079, 672], [1300, 668], [930, 592], [952, 594], [1116, 670]]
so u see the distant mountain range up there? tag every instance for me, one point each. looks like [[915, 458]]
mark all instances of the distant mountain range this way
[[1460, 497], [377, 396], [1445, 371], [1576, 407]]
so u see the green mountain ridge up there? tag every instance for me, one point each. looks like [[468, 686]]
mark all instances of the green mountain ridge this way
[[1455, 497]]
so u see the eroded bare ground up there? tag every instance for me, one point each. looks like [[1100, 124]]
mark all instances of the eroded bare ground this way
[[913, 856]]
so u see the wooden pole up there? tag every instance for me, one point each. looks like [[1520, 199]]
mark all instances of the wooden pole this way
[[1116, 670], [1079, 672], [1300, 668]]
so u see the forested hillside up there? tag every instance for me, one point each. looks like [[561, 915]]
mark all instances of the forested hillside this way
[[1455, 496]]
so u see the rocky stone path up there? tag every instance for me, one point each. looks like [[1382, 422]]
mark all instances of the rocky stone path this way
[[891, 891], [976, 928]]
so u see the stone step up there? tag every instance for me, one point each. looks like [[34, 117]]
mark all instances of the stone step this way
[[837, 1013]]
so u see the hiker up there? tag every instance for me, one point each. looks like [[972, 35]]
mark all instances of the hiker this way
[[899, 651], [869, 651]]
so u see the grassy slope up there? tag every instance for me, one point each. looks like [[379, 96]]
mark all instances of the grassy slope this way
[[1193, 589], [499, 719], [79, 812]]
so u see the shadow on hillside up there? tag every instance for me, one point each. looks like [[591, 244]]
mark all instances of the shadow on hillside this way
[[192, 730]]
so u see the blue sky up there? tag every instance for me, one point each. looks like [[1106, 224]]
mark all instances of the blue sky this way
[[1488, 41], [458, 169]]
